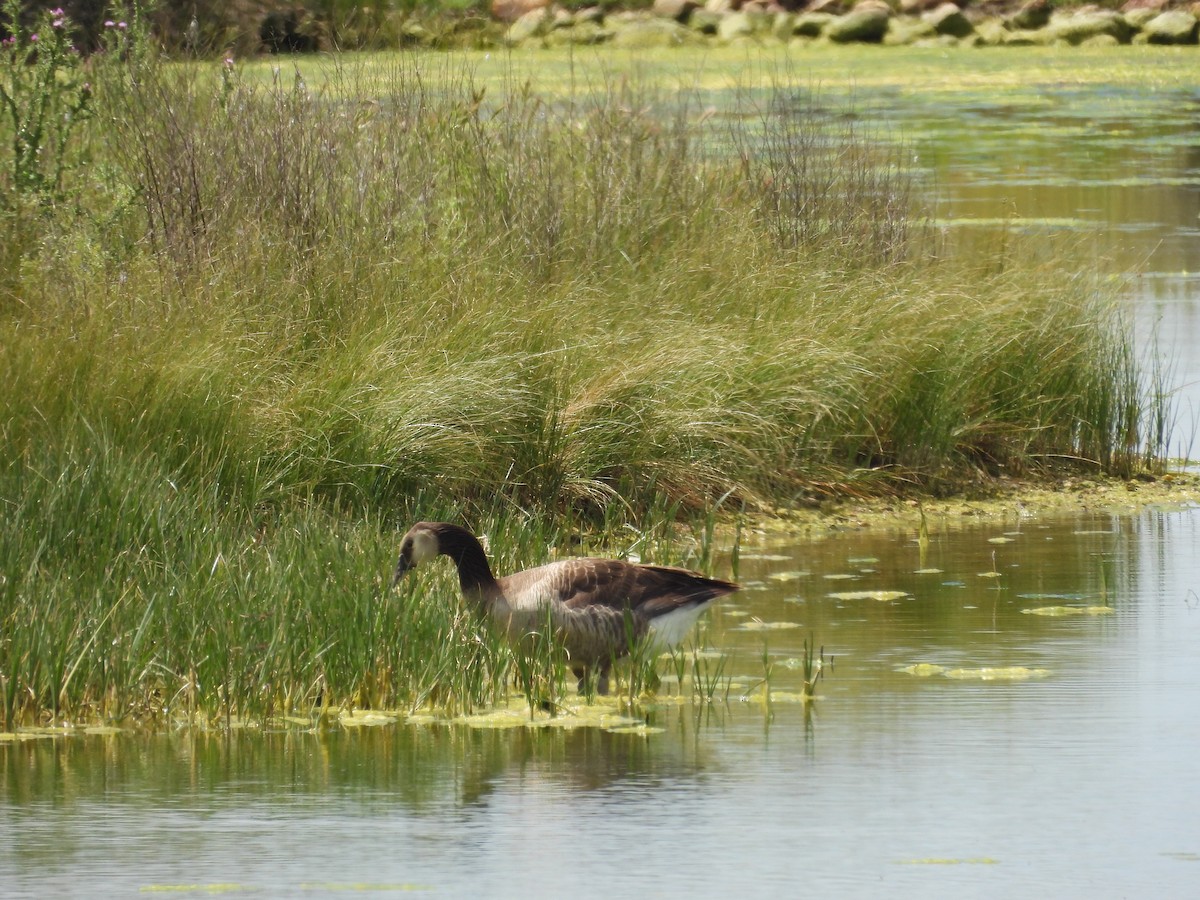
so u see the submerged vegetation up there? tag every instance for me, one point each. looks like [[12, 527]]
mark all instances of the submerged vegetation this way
[[259, 323]]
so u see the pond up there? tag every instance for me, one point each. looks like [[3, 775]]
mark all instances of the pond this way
[[1014, 712]]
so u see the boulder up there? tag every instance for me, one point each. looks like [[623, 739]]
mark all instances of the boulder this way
[[833, 7], [1077, 27], [904, 30], [582, 33], [735, 25], [1031, 15], [949, 19], [812, 24], [534, 24], [863, 24], [511, 10], [649, 33], [783, 26], [679, 10], [1171, 27], [705, 21]]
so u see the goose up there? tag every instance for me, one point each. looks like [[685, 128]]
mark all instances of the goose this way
[[594, 606]]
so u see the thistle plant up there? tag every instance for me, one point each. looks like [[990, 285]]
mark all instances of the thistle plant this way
[[43, 97]]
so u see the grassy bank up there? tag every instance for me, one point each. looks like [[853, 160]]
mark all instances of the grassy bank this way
[[271, 320]]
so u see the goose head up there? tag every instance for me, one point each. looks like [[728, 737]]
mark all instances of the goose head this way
[[419, 545]]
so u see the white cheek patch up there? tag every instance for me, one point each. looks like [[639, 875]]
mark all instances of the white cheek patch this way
[[424, 547]]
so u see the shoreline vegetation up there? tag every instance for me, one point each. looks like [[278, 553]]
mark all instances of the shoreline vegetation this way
[[252, 327]]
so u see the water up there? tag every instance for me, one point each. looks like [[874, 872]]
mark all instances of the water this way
[[1079, 782]]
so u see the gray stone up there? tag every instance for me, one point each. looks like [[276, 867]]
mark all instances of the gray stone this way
[[1172, 27], [533, 24], [679, 10], [1032, 15], [705, 21], [642, 34], [949, 19], [867, 25], [1085, 24], [812, 24]]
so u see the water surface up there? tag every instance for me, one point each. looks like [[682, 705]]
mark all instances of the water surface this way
[[1077, 781]]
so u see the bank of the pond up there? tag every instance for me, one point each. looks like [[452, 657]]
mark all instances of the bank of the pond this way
[[997, 500]]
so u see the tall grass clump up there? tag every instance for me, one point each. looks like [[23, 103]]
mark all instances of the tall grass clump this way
[[319, 304]]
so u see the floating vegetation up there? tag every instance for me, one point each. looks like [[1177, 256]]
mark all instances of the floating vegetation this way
[[758, 625], [863, 560], [1070, 611], [996, 673], [840, 576], [367, 719], [924, 670], [986, 673], [881, 596], [927, 571], [788, 576]]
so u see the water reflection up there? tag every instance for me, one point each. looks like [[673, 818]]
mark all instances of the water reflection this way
[[1077, 783]]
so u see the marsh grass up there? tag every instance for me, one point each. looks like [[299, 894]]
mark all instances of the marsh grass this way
[[311, 313]]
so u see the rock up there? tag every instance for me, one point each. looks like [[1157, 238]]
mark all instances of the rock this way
[[1139, 17], [511, 10], [1032, 15], [812, 24], [783, 26], [916, 7], [705, 21], [867, 25], [735, 25], [1156, 6], [1172, 27], [534, 23], [721, 7], [833, 7], [948, 19], [582, 33], [679, 10], [904, 30], [1084, 24], [642, 34], [991, 33]]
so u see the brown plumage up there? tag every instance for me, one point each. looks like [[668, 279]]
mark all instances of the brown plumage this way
[[593, 605]]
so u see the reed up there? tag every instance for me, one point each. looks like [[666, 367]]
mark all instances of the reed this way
[[283, 318]]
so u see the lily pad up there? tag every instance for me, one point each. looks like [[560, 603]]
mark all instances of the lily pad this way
[[840, 576], [1001, 540], [788, 576], [881, 596], [367, 719], [1070, 611], [927, 571], [924, 670], [996, 673]]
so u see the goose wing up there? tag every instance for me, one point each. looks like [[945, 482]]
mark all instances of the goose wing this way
[[609, 584]]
